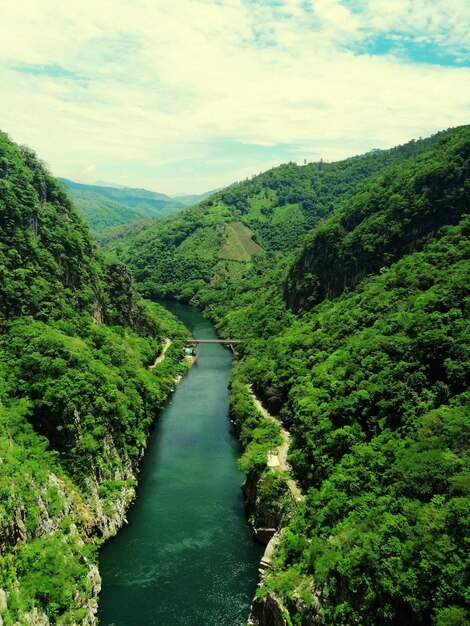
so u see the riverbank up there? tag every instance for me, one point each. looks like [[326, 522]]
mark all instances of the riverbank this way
[[161, 357], [269, 610], [278, 459], [270, 490]]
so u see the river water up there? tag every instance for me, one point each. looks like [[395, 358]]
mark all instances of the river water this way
[[187, 556]]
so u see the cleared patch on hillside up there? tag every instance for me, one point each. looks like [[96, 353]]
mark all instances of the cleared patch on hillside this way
[[287, 213], [239, 244], [203, 242]]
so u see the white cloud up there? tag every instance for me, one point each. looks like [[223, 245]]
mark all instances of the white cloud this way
[[155, 84]]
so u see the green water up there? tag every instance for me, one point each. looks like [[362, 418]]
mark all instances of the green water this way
[[187, 556]]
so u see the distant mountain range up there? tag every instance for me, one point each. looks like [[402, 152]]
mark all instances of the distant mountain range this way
[[104, 206], [191, 199]]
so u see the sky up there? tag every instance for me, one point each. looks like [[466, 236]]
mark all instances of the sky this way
[[184, 96]]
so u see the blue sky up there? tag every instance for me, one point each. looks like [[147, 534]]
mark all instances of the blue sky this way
[[190, 95]]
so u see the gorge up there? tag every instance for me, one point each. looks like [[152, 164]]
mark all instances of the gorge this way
[[187, 555]]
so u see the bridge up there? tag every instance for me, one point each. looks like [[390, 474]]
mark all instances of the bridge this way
[[229, 343], [214, 340]]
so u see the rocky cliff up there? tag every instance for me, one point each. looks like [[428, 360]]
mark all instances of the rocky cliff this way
[[392, 217]]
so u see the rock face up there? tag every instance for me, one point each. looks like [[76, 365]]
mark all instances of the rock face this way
[[268, 611], [263, 507]]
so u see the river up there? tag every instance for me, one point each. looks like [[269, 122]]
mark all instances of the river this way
[[187, 556]]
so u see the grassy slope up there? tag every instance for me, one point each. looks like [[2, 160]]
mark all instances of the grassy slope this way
[[239, 244]]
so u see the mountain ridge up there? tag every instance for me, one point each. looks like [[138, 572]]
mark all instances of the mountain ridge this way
[[103, 206]]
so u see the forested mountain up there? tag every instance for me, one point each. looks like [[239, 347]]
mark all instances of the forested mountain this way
[[358, 339], [76, 396], [389, 219], [269, 215], [373, 384], [104, 207]]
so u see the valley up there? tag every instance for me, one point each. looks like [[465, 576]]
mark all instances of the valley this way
[[348, 285]]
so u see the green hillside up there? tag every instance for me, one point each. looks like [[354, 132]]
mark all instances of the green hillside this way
[[238, 244], [372, 383], [390, 218], [184, 255], [104, 207], [348, 285], [76, 396]]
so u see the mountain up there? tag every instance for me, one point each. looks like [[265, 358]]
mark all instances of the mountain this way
[[360, 344], [191, 199], [391, 218], [76, 396], [104, 207], [348, 284], [186, 256]]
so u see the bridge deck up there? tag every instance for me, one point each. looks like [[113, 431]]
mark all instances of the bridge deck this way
[[214, 340]]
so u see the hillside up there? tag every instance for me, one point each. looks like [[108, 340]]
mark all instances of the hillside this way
[[373, 388], [104, 207], [184, 255], [76, 396], [348, 284], [371, 379], [393, 217]]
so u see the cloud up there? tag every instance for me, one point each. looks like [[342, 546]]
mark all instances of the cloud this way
[[148, 92]]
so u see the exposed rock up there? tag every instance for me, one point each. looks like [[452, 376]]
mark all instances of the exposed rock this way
[[264, 535], [97, 312], [3, 601], [268, 611], [91, 606], [50, 523], [33, 618], [265, 562], [20, 532]]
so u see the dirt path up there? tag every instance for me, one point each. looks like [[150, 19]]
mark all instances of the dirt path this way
[[161, 358], [279, 459]]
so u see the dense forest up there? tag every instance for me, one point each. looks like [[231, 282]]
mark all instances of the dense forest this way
[[76, 396], [349, 284]]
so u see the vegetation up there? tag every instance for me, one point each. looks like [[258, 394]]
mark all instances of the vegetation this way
[[373, 386], [76, 396], [238, 244], [104, 207], [358, 339], [184, 256], [354, 317]]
